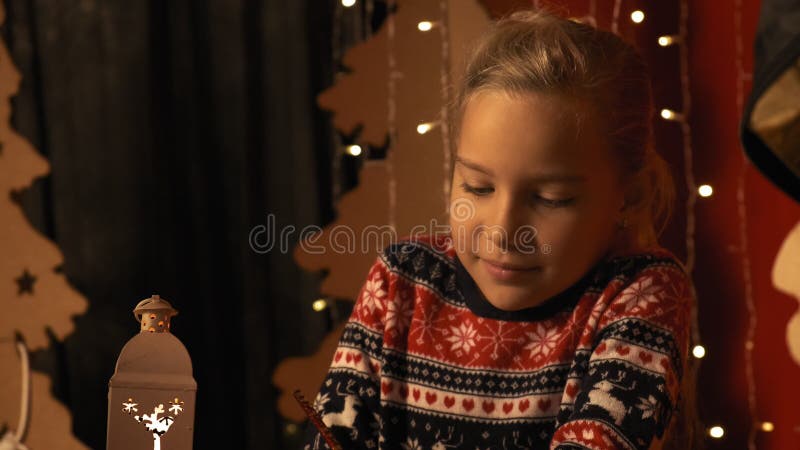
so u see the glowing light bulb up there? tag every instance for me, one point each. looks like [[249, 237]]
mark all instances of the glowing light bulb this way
[[767, 426], [705, 190], [424, 26], [291, 429], [716, 432], [698, 351], [424, 128], [354, 150], [666, 40], [637, 16], [319, 305], [668, 114], [348, 3]]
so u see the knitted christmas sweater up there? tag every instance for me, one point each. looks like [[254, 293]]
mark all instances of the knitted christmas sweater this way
[[426, 362]]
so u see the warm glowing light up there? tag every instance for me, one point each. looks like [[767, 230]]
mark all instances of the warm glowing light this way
[[424, 128], [348, 3], [291, 428], [424, 26], [716, 432], [767, 426], [705, 190], [319, 305], [637, 16], [668, 114], [354, 150], [698, 351], [666, 40]]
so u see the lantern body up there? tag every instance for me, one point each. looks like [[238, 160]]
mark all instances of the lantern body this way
[[151, 396]]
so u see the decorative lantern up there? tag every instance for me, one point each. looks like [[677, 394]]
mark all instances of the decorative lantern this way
[[152, 392]]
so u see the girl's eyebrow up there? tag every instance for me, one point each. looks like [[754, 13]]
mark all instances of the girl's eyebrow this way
[[542, 178], [473, 165]]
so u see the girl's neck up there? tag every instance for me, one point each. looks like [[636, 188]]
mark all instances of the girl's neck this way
[[629, 242]]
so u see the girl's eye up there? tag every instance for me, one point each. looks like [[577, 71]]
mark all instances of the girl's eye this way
[[549, 202], [555, 203], [476, 190]]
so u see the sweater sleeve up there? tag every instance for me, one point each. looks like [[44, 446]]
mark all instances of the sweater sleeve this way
[[349, 398], [632, 385]]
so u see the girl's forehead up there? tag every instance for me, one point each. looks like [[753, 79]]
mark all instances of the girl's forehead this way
[[529, 131]]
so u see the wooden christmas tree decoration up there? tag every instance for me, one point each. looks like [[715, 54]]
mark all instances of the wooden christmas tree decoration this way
[[34, 297]]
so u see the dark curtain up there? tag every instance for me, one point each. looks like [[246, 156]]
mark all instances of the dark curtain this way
[[173, 128]]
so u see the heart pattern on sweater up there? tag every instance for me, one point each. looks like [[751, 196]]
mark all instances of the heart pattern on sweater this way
[[543, 404], [600, 348], [430, 397], [403, 391], [572, 389]]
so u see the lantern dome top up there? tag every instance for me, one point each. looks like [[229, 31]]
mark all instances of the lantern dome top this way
[[154, 314], [154, 353]]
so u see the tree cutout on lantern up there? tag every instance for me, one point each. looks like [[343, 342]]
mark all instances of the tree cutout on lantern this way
[[152, 422], [408, 184], [37, 301], [152, 366]]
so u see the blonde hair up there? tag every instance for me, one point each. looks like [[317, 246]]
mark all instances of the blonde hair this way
[[536, 51]]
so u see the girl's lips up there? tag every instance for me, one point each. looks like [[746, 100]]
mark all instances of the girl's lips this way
[[507, 273]]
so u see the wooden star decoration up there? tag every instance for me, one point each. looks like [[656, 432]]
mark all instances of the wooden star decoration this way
[[25, 283]]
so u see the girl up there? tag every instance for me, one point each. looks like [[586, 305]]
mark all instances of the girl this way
[[549, 317]]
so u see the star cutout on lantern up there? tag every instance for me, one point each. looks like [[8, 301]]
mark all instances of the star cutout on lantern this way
[[130, 406], [25, 283], [176, 406]]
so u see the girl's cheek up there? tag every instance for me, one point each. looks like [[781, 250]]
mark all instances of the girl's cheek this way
[[466, 233]]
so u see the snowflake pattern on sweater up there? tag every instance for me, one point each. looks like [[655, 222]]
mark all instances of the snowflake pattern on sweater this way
[[426, 362]]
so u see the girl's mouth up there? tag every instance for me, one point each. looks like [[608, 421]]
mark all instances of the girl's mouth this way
[[508, 272]]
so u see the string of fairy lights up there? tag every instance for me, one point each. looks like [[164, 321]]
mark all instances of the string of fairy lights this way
[[716, 431], [444, 80], [752, 318], [694, 191], [391, 121]]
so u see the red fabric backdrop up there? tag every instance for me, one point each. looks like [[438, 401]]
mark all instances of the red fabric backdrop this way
[[718, 160]]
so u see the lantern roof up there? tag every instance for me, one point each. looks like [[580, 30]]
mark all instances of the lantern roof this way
[[155, 358]]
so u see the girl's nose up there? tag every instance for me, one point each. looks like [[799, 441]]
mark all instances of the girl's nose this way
[[507, 222]]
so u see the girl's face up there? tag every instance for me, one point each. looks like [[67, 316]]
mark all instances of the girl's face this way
[[533, 193]]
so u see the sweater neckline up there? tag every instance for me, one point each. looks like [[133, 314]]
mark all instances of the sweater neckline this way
[[480, 306]]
